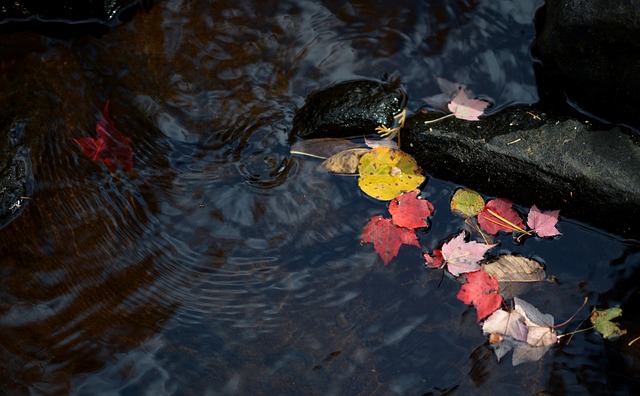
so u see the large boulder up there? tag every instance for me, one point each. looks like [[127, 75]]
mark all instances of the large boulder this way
[[349, 108], [589, 173], [589, 50]]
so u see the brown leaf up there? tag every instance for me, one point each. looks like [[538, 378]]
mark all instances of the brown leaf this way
[[510, 268], [345, 162], [322, 148]]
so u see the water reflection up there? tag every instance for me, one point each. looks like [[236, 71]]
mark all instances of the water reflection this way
[[220, 263]]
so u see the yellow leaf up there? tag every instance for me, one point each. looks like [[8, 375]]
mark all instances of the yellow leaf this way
[[466, 203], [385, 173]]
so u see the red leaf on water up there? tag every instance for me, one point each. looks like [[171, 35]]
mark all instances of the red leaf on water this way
[[461, 256], [435, 261], [409, 211], [543, 223], [465, 108], [387, 237], [498, 215], [481, 290], [109, 146]]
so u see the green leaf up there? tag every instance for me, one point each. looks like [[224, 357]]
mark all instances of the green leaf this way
[[466, 203], [601, 320], [385, 173]]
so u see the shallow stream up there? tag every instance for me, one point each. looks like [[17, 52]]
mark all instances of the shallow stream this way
[[220, 264]]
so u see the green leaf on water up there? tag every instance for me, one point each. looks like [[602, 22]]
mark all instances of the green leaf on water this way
[[601, 320], [385, 173], [466, 203]]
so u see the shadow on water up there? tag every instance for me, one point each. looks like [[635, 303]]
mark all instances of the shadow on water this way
[[221, 265]]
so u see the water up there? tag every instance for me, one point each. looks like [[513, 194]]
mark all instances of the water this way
[[220, 265]]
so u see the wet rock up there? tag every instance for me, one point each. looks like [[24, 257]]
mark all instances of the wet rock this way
[[589, 50], [589, 173], [349, 109], [68, 10], [15, 172]]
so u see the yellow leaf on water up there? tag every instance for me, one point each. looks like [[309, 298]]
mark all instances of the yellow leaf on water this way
[[466, 203], [385, 173]]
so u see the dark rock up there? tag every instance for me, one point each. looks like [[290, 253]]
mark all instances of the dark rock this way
[[349, 109], [15, 172], [590, 174], [61, 10], [589, 50]]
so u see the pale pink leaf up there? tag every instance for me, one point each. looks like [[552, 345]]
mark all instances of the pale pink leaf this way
[[462, 256], [467, 108], [543, 223], [506, 323]]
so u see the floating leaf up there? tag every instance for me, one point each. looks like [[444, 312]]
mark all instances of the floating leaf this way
[[434, 261], [540, 331], [344, 162], [386, 173], [481, 290], [461, 256], [510, 268], [543, 223], [409, 211], [506, 323], [498, 215], [602, 322], [466, 108], [466, 203], [387, 237], [109, 146]]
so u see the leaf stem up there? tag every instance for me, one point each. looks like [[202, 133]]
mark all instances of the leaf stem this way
[[574, 314], [307, 154], [507, 222], [439, 119]]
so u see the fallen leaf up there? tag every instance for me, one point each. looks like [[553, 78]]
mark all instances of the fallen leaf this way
[[466, 108], [387, 237], [510, 268], [540, 331], [466, 203], [109, 146], [344, 162], [434, 261], [481, 290], [386, 173], [409, 211], [498, 215], [506, 323], [602, 322], [543, 223], [461, 256], [381, 143]]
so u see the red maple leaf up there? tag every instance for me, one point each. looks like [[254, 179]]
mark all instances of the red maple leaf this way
[[465, 108], [387, 237], [109, 146], [435, 261], [481, 290], [498, 215], [543, 223], [409, 211]]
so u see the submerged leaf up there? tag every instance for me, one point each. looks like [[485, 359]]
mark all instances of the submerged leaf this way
[[466, 203], [109, 146], [387, 237], [322, 147], [386, 173], [409, 211], [539, 326], [602, 322]]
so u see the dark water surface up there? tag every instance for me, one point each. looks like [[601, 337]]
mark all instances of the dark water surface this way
[[220, 265]]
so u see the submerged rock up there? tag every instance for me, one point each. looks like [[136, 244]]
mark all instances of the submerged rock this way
[[590, 174], [15, 172], [349, 108]]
